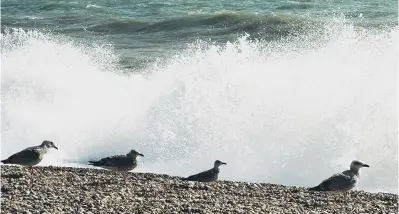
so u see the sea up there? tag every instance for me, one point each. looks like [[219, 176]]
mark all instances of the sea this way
[[284, 92]]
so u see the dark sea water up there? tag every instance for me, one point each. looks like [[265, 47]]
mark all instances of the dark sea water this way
[[285, 92], [147, 30]]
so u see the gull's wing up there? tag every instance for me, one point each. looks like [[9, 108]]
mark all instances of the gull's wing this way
[[24, 157], [117, 160], [204, 176], [339, 181]]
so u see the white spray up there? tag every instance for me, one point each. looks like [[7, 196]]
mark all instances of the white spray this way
[[282, 112]]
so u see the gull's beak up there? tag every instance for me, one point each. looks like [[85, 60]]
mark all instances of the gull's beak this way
[[365, 165], [223, 163], [55, 147], [141, 155]]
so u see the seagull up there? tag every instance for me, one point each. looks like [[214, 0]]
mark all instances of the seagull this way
[[342, 182], [118, 163], [30, 156], [208, 175]]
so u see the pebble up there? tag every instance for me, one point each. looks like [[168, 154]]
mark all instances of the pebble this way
[[71, 190]]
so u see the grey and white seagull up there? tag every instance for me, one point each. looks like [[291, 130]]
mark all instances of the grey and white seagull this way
[[342, 182], [119, 163], [30, 156], [208, 175]]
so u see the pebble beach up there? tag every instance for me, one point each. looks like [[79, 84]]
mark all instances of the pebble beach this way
[[82, 190]]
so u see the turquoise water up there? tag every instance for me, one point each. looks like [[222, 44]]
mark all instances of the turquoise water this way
[[146, 30], [285, 92]]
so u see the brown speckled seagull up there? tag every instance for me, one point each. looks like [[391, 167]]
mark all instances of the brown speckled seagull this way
[[119, 163], [30, 156], [342, 182], [207, 176]]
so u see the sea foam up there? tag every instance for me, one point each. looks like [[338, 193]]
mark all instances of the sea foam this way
[[289, 112]]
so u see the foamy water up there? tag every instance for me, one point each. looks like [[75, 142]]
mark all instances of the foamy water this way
[[290, 113]]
